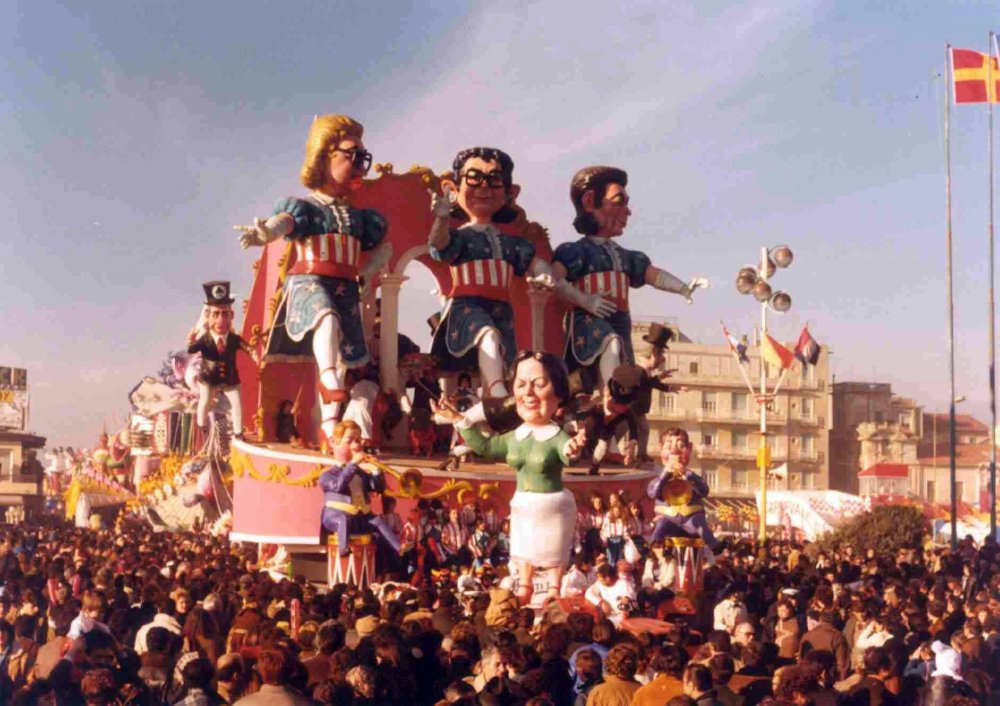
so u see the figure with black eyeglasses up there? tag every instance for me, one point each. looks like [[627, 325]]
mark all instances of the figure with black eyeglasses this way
[[320, 311], [476, 332]]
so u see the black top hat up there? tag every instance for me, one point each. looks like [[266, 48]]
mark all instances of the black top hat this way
[[434, 320], [217, 293], [659, 335]]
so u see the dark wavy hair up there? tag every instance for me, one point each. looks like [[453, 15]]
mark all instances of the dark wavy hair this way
[[554, 367], [594, 179], [487, 154]]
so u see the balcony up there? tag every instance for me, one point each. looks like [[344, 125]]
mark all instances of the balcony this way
[[715, 415]]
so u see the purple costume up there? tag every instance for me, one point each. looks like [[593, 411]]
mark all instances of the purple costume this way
[[684, 520], [346, 510]]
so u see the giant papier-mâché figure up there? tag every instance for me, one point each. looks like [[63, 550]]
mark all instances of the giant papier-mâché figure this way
[[542, 511], [320, 313], [214, 339], [476, 332], [595, 274]]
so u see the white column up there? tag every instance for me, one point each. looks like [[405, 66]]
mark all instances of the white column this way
[[388, 335]]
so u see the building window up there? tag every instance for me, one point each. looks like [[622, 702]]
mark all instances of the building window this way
[[808, 447], [739, 402], [740, 440], [960, 491], [879, 417], [930, 491], [6, 464], [712, 478], [740, 480], [708, 440], [904, 421], [667, 401], [808, 480], [708, 401], [693, 367], [807, 408]]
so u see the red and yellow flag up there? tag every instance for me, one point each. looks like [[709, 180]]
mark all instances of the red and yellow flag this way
[[970, 73], [775, 353]]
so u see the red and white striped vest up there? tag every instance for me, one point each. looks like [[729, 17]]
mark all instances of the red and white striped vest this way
[[329, 255], [613, 285], [482, 278]]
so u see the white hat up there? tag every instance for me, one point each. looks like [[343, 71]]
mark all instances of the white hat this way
[[947, 661]]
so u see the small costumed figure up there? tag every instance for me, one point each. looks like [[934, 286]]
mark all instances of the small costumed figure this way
[[320, 311], [685, 516], [652, 378], [542, 511], [346, 487], [476, 332], [594, 274], [213, 337]]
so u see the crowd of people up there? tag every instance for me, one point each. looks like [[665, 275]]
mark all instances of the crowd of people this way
[[127, 616]]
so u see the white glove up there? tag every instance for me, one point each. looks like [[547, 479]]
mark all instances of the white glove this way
[[257, 234], [441, 204], [695, 283], [597, 305]]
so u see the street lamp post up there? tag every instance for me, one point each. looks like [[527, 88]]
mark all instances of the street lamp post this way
[[755, 280]]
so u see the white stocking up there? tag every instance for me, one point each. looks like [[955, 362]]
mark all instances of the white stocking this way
[[326, 349], [491, 365], [611, 358]]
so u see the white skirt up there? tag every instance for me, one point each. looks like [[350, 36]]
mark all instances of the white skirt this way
[[541, 527]]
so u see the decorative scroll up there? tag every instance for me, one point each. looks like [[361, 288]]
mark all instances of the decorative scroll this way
[[241, 464]]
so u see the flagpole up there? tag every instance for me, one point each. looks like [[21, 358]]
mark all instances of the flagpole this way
[[781, 379], [951, 304], [763, 453], [990, 97], [739, 363]]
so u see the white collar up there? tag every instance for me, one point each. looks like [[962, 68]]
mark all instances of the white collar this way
[[481, 227], [328, 200], [598, 239], [540, 433]]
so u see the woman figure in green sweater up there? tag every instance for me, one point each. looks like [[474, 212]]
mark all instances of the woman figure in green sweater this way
[[542, 511]]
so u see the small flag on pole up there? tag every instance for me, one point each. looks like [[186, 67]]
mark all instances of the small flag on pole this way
[[970, 74], [775, 353], [806, 349], [740, 349]]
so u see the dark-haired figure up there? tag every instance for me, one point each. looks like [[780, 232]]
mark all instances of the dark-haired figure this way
[[476, 332], [594, 274], [542, 511]]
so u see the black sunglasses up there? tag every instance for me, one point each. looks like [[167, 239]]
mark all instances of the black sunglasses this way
[[474, 177], [360, 159]]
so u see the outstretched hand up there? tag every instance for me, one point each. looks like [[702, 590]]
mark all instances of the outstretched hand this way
[[256, 234], [695, 283], [441, 203]]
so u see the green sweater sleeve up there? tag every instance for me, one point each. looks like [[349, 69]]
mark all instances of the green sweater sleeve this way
[[494, 447]]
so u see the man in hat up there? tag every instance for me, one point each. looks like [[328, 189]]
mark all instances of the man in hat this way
[[213, 337], [650, 380], [594, 274], [676, 517]]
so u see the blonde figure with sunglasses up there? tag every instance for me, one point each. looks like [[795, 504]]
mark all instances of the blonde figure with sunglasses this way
[[337, 250], [476, 333]]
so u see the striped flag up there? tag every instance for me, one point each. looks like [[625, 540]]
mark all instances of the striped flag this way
[[970, 75], [739, 348], [806, 349], [775, 353]]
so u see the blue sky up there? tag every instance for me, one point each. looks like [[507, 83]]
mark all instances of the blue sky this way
[[135, 135]]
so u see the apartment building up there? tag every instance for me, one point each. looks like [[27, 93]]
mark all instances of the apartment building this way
[[714, 405], [871, 425]]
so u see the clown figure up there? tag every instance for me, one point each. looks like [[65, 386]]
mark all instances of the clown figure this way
[[677, 518], [320, 314], [214, 339]]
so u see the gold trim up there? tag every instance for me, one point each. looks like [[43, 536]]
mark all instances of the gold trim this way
[[242, 464]]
